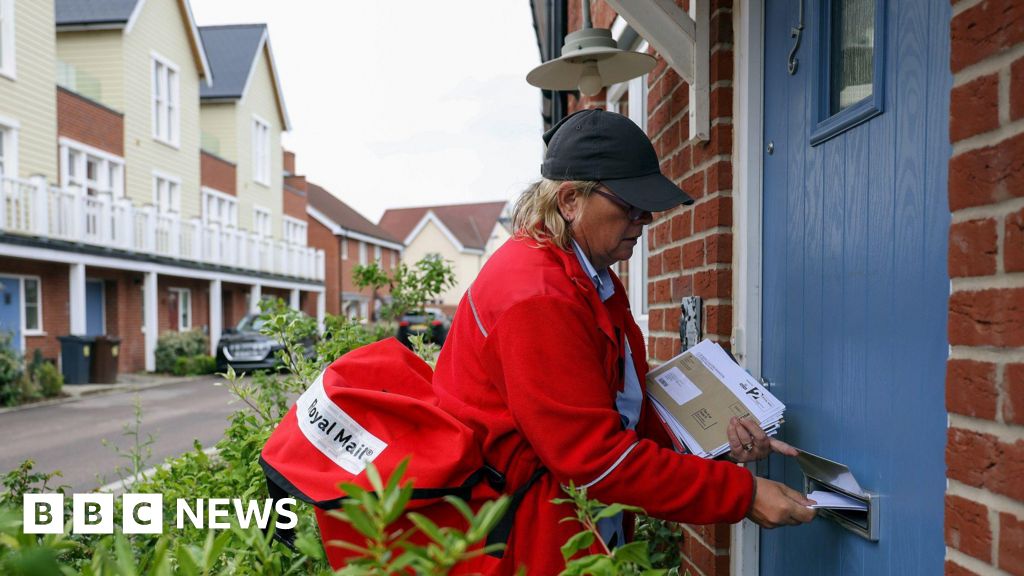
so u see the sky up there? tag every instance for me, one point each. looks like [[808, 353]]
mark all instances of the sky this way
[[397, 103]]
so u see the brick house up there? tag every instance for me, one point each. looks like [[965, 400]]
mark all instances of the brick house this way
[[106, 226], [348, 239], [463, 234], [856, 240]]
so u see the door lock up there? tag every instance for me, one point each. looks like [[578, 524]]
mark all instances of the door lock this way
[[771, 148]]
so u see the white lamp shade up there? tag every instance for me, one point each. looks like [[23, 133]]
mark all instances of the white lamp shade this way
[[590, 45]]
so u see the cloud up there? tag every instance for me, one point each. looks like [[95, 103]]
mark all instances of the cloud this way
[[400, 103]]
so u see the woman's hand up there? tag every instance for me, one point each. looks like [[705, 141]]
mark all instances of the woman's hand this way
[[748, 442], [777, 505]]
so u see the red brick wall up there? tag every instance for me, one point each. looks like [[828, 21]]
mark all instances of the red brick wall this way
[[289, 161], [217, 173], [321, 237], [90, 123], [54, 297], [200, 301], [295, 204], [985, 373], [235, 303], [690, 246]]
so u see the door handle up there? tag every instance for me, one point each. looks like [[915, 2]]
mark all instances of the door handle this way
[[796, 32]]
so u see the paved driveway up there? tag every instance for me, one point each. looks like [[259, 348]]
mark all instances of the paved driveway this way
[[68, 436]]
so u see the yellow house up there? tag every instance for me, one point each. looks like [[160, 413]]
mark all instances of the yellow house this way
[[143, 59], [242, 117], [28, 106], [103, 226], [463, 234]]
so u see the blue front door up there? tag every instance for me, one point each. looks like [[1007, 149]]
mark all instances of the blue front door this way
[[94, 308], [855, 288], [10, 309]]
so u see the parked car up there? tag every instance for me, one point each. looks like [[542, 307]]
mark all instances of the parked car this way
[[245, 349], [432, 322]]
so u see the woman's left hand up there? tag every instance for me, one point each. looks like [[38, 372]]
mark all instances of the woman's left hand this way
[[748, 442]]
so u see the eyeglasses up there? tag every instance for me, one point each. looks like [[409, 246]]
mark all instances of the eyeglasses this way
[[632, 212]]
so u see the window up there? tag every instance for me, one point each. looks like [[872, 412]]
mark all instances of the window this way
[[630, 99], [260, 151], [344, 248], [261, 221], [362, 253], [166, 101], [376, 255], [8, 146], [7, 59], [294, 231], [184, 302], [89, 169], [850, 61], [219, 208], [33, 306], [166, 195]]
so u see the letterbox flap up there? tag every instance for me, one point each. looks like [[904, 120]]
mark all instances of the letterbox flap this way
[[829, 472]]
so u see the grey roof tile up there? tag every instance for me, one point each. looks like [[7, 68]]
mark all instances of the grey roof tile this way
[[70, 12], [230, 51]]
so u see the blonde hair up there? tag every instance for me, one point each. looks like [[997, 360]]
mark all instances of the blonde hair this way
[[535, 214]]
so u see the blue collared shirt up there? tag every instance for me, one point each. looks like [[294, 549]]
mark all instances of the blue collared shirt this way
[[628, 401]]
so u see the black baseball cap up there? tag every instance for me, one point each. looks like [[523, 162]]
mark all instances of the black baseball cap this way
[[604, 146]]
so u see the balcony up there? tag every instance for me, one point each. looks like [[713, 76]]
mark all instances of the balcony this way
[[33, 208]]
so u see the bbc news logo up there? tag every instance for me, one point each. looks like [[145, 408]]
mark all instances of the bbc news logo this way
[[144, 513]]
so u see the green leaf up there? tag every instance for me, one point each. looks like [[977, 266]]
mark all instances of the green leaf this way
[[580, 541], [634, 552], [613, 509], [426, 525], [359, 520]]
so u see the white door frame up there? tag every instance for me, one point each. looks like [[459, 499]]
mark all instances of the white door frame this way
[[748, 22]]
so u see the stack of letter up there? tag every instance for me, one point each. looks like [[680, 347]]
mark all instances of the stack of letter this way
[[698, 391]]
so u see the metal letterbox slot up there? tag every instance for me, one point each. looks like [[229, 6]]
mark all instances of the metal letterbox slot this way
[[824, 474]]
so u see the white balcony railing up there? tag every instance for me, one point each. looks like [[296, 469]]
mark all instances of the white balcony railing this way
[[32, 208]]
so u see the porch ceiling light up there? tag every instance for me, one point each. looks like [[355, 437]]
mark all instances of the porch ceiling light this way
[[590, 60]]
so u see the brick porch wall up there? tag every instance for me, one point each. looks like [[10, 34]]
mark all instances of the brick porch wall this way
[[690, 248], [88, 122], [985, 373]]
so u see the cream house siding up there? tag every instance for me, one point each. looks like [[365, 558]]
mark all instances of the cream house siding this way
[[161, 29], [260, 99], [431, 240], [219, 121], [30, 99], [98, 60], [498, 237]]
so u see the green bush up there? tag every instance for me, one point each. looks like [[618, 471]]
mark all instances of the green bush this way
[[44, 374], [194, 365], [173, 345], [12, 373]]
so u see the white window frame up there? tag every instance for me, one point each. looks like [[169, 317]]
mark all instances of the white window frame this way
[[260, 150], [362, 253], [377, 255], [74, 158], [225, 202], [165, 90], [183, 312], [8, 57], [262, 226], [294, 231], [344, 248], [173, 192], [9, 146], [635, 91], [38, 330]]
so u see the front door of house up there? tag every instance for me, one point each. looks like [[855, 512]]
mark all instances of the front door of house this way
[[95, 308], [10, 309], [855, 287]]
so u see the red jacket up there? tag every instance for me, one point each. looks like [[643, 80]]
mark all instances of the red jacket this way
[[533, 363]]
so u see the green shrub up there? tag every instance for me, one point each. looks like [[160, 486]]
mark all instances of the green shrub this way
[[194, 365], [48, 379], [12, 372], [173, 345]]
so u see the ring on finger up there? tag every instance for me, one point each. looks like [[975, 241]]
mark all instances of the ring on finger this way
[[748, 446]]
